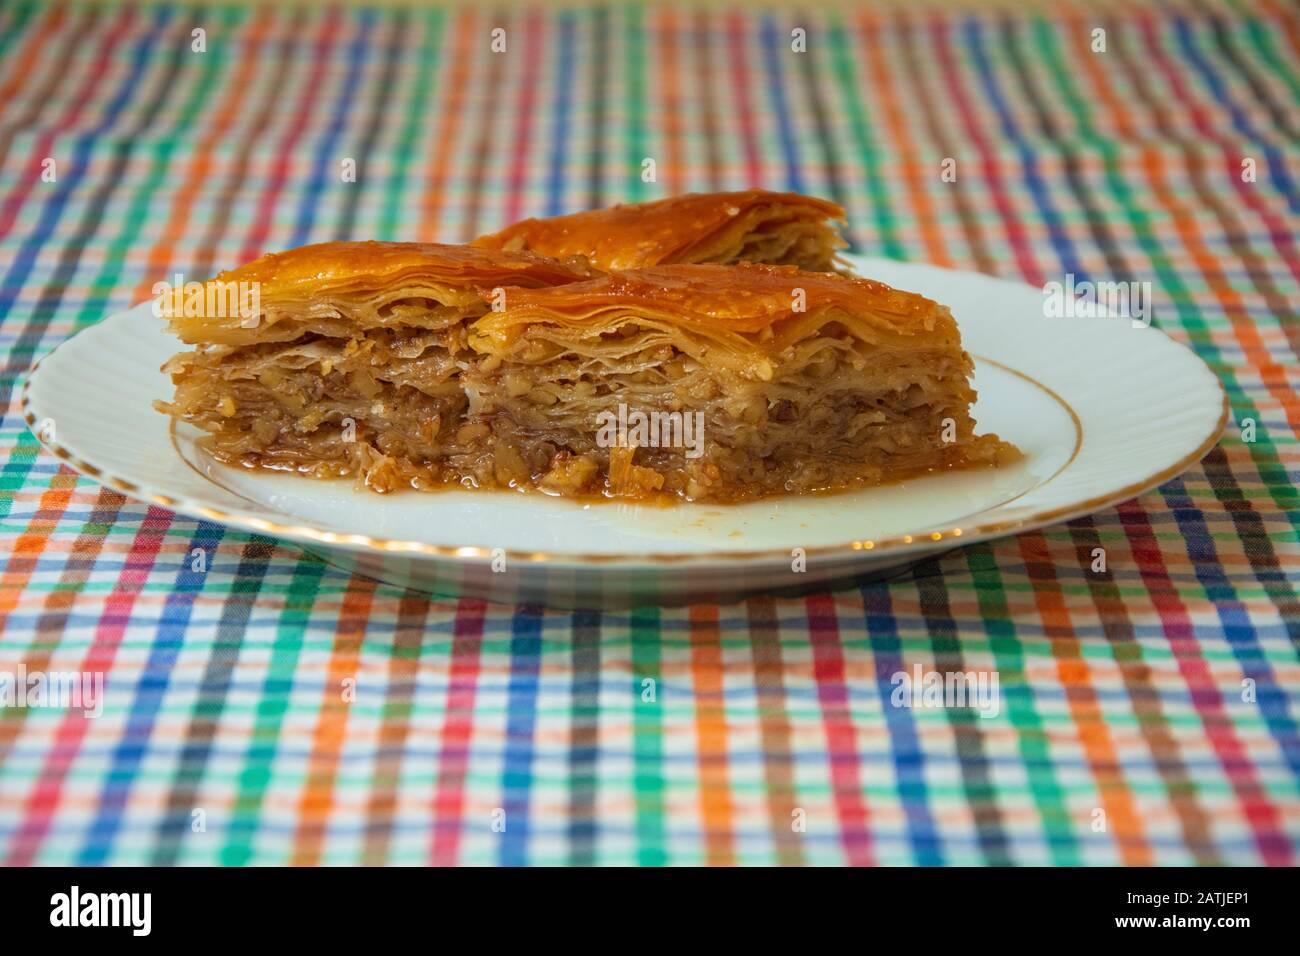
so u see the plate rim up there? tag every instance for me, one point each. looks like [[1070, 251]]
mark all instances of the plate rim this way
[[314, 533]]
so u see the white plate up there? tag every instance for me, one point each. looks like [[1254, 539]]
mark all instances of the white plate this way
[[1103, 411]]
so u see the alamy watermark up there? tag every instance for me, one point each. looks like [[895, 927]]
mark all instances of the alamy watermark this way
[[637, 429], [59, 690], [214, 299], [133, 911], [923, 690], [1095, 300]]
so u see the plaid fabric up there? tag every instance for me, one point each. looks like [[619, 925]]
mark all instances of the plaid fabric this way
[[1148, 711]]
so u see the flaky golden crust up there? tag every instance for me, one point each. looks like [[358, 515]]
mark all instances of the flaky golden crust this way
[[696, 227], [344, 287], [329, 266], [741, 299]]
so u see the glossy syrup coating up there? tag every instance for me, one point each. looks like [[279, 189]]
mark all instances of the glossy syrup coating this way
[[327, 266], [677, 229], [745, 299]]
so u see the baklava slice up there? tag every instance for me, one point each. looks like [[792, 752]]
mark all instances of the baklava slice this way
[[750, 226], [342, 358], [718, 383]]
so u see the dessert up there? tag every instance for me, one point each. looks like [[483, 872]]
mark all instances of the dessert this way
[[725, 228]]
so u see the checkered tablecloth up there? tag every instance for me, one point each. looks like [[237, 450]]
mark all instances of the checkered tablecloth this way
[[270, 709]]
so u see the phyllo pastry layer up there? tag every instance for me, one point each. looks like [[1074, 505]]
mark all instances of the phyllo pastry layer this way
[[424, 366], [750, 226], [350, 360], [719, 383]]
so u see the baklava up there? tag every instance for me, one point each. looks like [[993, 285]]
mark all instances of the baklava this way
[[423, 366], [725, 228], [720, 383], [350, 361]]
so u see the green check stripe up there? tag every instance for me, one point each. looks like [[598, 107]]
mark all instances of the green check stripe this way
[[645, 635], [1032, 740], [427, 63], [869, 153], [272, 705]]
